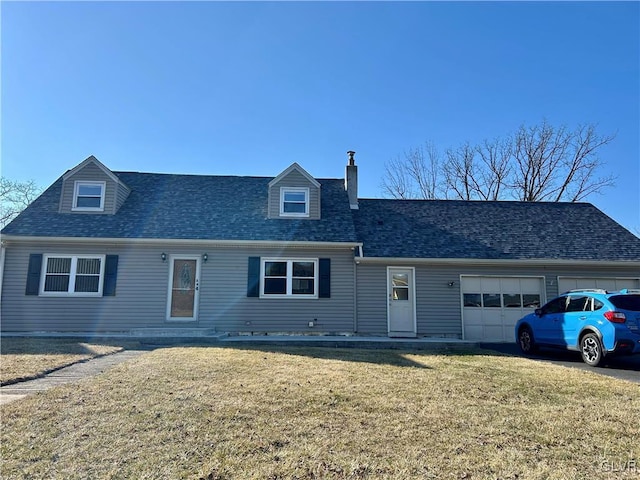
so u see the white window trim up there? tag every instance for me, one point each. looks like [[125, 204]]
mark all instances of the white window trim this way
[[72, 276], [289, 281], [76, 190], [284, 190]]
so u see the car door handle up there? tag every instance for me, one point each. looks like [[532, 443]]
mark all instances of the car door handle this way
[[583, 317]]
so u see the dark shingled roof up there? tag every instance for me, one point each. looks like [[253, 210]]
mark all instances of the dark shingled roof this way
[[491, 230], [191, 207], [199, 207]]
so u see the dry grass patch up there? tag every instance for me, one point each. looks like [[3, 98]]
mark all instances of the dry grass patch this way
[[310, 413], [22, 358]]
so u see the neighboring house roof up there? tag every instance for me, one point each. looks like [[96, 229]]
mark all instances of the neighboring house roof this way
[[190, 207], [452, 229]]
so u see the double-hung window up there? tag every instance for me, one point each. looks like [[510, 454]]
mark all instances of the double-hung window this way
[[89, 196], [73, 275], [294, 202], [289, 278]]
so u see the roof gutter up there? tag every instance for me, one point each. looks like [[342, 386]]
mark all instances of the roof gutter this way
[[495, 262], [10, 239]]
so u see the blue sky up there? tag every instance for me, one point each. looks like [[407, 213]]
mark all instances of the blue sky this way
[[247, 88]]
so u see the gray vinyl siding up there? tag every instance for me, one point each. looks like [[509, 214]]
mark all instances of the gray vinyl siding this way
[[142, 291], [122, 192], [438, 306], [115, 193], [294, 179]]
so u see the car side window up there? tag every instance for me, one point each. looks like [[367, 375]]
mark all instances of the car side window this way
[[556, 305], [578, 304], [597, 304]]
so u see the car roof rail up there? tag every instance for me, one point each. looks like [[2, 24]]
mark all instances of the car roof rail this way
[[627, 290], [586, 290]]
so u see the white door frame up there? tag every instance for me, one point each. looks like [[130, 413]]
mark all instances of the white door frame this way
[[412, 292], [196, 296]]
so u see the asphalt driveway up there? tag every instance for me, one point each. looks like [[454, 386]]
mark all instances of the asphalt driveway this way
[[623, 368]]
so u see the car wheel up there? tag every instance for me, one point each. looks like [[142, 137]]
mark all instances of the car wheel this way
[[525, 341], [591, 349]]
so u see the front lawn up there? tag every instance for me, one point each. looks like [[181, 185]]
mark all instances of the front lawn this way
[[312, 413], [24, 357]]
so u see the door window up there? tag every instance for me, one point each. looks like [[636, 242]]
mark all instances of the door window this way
[[400, 283], [183, 288]]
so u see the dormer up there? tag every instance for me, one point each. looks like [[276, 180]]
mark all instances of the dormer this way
[[294, 194], [91, 188]]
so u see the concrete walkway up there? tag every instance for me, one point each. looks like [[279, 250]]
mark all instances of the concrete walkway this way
[[72, 373]]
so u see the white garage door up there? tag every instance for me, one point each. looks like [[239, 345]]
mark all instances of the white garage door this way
[[491, 306], [573, 283]]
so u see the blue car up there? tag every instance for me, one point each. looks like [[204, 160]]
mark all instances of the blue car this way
[[594, 322]]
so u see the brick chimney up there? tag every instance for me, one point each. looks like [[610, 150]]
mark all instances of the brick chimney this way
[[351, 180]]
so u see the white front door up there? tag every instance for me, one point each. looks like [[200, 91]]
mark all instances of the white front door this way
[[184, 286], [401, 302]]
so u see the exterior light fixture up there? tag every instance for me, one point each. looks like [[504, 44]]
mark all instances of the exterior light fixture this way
[[205, 257], [451, 284], [163, 256]]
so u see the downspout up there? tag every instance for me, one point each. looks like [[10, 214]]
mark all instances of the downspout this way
[[2, 249], [355, 298], [355, 289]]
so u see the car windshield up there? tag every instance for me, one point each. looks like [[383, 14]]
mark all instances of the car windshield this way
[[626, 302]]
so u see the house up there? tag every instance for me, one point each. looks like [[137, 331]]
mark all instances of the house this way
[[103, 251]]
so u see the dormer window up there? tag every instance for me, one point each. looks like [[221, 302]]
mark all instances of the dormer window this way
[[294, 202], [89, 196]]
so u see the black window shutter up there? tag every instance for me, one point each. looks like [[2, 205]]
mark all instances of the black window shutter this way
[[324, 271], [253, 278], [33, 274], [110, 275]]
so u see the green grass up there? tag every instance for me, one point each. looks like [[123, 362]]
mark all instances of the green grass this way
[[24, 358], [312, 413]]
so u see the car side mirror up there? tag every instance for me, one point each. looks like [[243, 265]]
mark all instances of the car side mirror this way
[[538, 312]]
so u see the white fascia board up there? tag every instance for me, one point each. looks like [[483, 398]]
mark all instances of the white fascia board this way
[[9, 239], [492, 262]]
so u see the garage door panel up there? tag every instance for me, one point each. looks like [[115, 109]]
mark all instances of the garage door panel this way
[[491, 285], [530, 285], [471, 284], [610, 283], [509, 285], [473, 316], [474, 333], [503, 301], [493, 333]]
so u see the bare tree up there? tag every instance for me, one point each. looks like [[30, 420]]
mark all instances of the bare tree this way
[[556, 164], [478, 172], [14, 197], [461, 173], [538, 163], [496, 158], [414, 176]]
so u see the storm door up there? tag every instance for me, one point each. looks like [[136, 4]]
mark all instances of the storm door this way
[[184, 279], [401, 302]]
